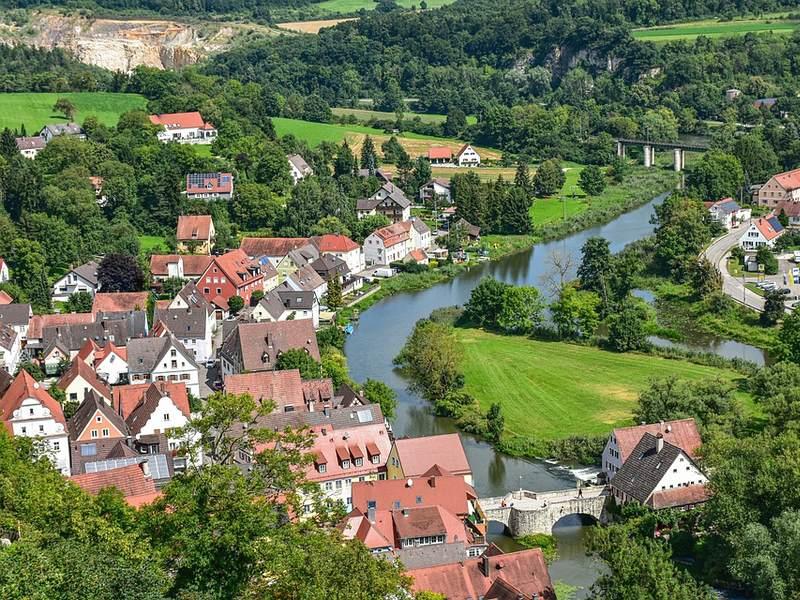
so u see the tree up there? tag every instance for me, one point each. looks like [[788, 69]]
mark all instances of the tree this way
[[235, 304], [298, 358], [592, 180], [330, 225], [345, 161], [433, 359], [79, 302], [716, 175], [171, 286], [468, 195], [379, 393], [8, 144], [548, 179], [486, 302], [596, 268], [575, 313], [681, 232], [522, 178], [367, 225], [789, 338], [392, 150], [120, 273], [765, 257], [776, 389], [756, 156], [521, 310], [65, 107], [709, 401], [29, 265], [774, 308], [272, 168], [618, 169], [333, 297], [369, 158], [515, 217], [495, 422], [626, 326], [659, 125], [455, 123], [705, 278]]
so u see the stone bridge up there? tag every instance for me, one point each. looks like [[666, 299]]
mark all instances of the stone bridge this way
[[524, 512]]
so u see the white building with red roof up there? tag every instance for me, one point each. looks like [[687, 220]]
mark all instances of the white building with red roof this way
[[682, 433], [467, 157], [209, 186], [781, 188], [763, 231], [181, 266], [420, 456], [4, 275], [440, 155], [342, 247], [388, 244], [27, 410], [184, 128], [195, 234]]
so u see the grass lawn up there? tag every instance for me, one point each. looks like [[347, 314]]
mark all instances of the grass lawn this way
[[714, 28], [362, 114], [148, 243], [351, 6], [316, 133], [553, 390], [203, 150], [36, 110]]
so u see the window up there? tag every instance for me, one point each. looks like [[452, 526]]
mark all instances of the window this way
[[173, 352], [323, 468], [30, 411], [345, 464], [339, 484], [166, 416], [358, 462], [73, 396], [306, 509], [88, 449], [397, 505], [99, 419], [376, 459], [106, 432], [372, 504], [94, 433], [419, 499], [24, 430], [56, 446]]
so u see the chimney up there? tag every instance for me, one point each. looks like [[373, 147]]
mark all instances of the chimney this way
[[659, 443], [371, 514], [485, 565], [668, 429], [409, 483], [145, 468], [326, 411], [405, 512]]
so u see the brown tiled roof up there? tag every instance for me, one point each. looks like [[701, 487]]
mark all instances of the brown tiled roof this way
[[93, 402], [419, 454], [336, 444], [790, 180], [439, 152], [119, 301], [40, 322], [394, 233], [126, 398], [5, 297], [79, 368], [184, 120], [235, 265], [130, 480], [258, 345], [450, 492], [149, 403], [24, 386], [285, 388], [332, 242], [194, 265], [204, 183], [681, 496], [256, 247], [428, 521], [682, 433], [194, 227]]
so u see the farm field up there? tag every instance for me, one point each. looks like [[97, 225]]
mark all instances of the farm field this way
[[351, 6], [713, 28], [316, 133], [485, 173], [362, 114], [35, 110], [310, 26], [534, 382]]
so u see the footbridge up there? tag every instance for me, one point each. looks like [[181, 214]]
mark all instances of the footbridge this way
[[678, 148], [525, 512]]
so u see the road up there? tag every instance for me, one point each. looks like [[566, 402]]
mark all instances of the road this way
[[717, 253]]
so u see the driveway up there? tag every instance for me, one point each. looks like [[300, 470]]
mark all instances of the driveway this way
[[717, 254]]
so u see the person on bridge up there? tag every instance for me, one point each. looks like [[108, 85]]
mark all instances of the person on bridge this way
[[580, 492]]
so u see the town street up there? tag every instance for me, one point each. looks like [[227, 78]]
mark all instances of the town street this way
[[717, 253]]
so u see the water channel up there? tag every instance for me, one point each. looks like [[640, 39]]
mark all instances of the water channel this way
[[383, 329]]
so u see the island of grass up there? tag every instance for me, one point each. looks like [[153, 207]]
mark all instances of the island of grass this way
[[35, 110], [554, 390], [716, 28]]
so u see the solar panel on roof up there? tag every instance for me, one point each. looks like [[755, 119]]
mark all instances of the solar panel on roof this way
[[364, 416], [157, 463]]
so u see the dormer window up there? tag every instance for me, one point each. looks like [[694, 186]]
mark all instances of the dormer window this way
[[322, 468], [346, 464], [376, 459], [358, 462]]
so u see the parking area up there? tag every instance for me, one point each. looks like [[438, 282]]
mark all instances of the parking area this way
[[787, 279]]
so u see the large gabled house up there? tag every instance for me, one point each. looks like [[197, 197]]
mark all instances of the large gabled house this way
[[184, 128], [389, 201], [728, 213], [28, 410], [109, 361], [231, 274], [467, 157], [298, 168], [436, 190], [180, 266], [190, 326], [79, 279], [209, 186], [155, 359], [780, 189], [257, 346], [295, 259], [287, 305], [342, 247], [306, 279], [29, 147], [80, 379], [415, 457], [95, 430], [195, 234], [388, 244], [763, 231], [50, 132]]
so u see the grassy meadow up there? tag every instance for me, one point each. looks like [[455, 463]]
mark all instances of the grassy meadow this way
[[715, 29], [363, 114], [35, 110], [351, 6], [537, 386]]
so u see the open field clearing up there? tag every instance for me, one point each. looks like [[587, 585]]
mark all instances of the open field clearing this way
[[692, 30], [310, 26], [365, 115], [35, 110]]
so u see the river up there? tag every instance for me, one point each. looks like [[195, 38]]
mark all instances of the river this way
[[383, 329]]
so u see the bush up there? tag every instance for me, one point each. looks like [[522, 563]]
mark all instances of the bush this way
[[547, 544]]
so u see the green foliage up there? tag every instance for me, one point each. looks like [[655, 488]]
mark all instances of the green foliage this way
[[497, 305], [298, 358], [705, 278], [379, 393], [549, 178], [33, 369], [65, 107], [765, 257], [495, 422], [681, 232], [235, 304], [79, 302], [627, 326], [575, 313], [774, 308], [592, 180], [789, 338], [333, 297], [716, 175], [432, 358], [546, 543], [777, 389]]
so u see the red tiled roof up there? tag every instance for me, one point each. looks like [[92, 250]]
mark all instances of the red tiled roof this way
[[285, 388], [682, 433], [24, 386], [40, 322], [194, 227], [110, 348], [88, 351], [5, 297], [790, 180], [137, 488], [766, 228], [419, 454], [418, 255], [126, 398], [524, 570], [450, 492], [379, 534], [235, 265], [335, 446], [183, 120], [79, 368], [119, 301], [204, 183], [439, 152], [428, 521], [681, 496], [272, 247], [395, 233], [331, 242], [194, 265]]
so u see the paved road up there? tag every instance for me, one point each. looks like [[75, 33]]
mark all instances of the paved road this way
[[533, 500], [717, 253]]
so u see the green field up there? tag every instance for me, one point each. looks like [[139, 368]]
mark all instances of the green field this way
[[552, 390], [351, 6], [364, 115], [36, 110], [150, 243], [713, 28]]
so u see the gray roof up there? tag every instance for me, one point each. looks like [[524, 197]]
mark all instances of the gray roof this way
[[396, 194], [339, 418], [117, 327], [8, 336], [183, 322], [431, 556], [144, 353], [304, 255], [275, 302], [88, 271], [644, 468], [192, 296], [328, 264], [305, 278], [92, 402], [257, 346], [420, 225], [15, 315], [30, 143], [349, 397], [64, 129], [272, 303], [367, 203], [299, 163]]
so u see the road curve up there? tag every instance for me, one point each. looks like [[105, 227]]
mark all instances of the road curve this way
[[717, 254]]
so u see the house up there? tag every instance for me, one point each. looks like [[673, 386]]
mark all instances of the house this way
[[285, 388], [380, 174], [80, 379], [184, 128], [388, 244], [231, 274], [792, 212], [659, 474], [134, 481], [417, 256], [440, 155], [68, 129], [29, 147], [342, 247], [420, 234], [728, 213], [274, 249], [298, 168], [10, 348], [295, 259], [257, 346], [287, 305], [436, 191], [681, 433], [41, 323], [181, 266], [328, 266], [190, 326], [780, 189], [29, 411], [70, 335], [467, 157], [118, 302], [415, 457], [110, 362], [495, 575], [732, 94], [471, 232], [209, 186], [79, 279], [95, 430], [97, 185], [306, 279], [389, 201], [154, 359], [5, 297], [18, 317], [190, 297], [195, 234], [763, 231]]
